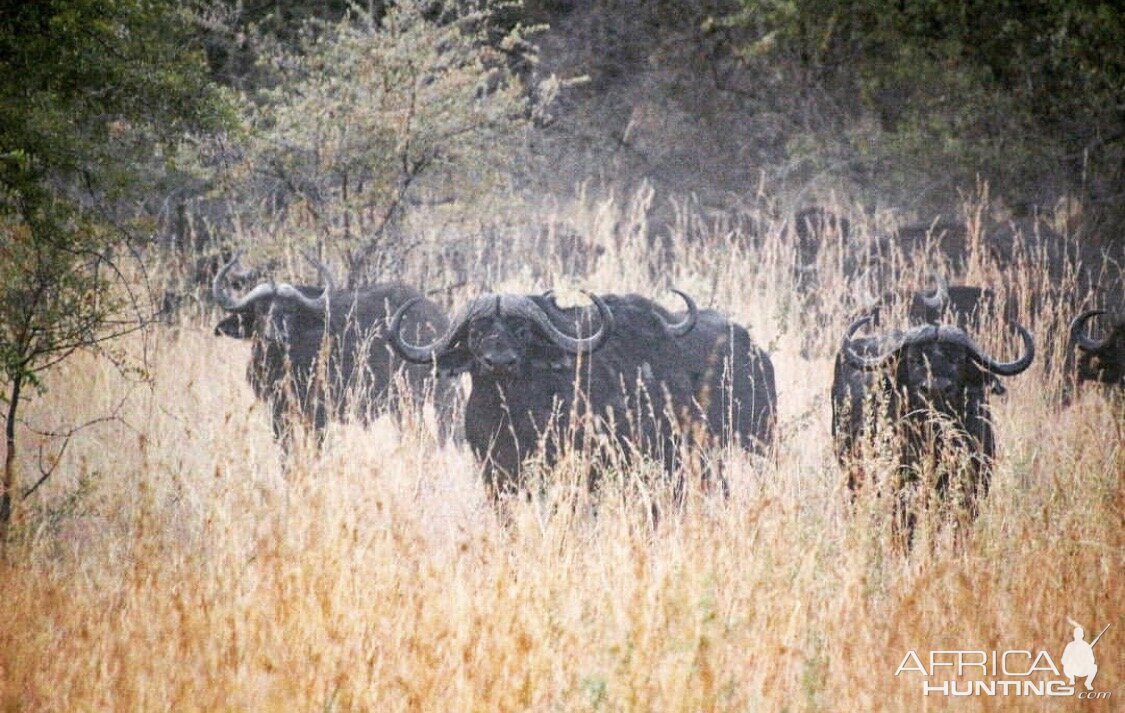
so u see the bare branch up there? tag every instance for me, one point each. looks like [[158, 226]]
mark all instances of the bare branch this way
[[45, 472]]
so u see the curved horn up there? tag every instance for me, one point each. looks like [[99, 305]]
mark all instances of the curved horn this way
[[525, 307], [1078, 332], [223, 297], [313, 304], [940, 296], [218, 285], [410, 352], [861, 291], [681, 328], [1011, 368], [426, 354], [868, 363]]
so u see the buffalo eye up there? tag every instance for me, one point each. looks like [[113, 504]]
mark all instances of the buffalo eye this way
[[476, 336]]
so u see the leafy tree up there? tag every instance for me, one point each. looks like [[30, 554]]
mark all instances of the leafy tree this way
[[369, 115], [95, 97], [1028, 95], [228, 28]]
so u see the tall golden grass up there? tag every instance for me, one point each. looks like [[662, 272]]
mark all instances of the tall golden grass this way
[[176, 561]]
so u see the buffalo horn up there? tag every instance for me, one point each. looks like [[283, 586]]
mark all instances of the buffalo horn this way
[[1078, 331], [681, 328]]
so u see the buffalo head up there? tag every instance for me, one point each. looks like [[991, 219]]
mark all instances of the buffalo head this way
[[1102, 361], [270, 311], [936, 364], [963, 305], [499, 335]]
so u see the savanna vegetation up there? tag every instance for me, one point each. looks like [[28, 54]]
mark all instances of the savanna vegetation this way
[[161, 551]]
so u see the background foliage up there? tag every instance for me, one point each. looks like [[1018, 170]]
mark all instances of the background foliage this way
[[360, 117], [929, 94]]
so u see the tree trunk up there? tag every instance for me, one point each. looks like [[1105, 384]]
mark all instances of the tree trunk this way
[[9, 484]]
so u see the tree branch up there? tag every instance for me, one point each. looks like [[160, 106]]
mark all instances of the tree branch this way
[[45, 473]]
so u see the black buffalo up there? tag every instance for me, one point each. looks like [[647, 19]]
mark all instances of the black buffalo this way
[[1100, 361], [320, 352], [966, 306], [930, 386], [652, 382]]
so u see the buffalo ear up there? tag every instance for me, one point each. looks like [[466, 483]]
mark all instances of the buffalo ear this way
[[995, 386], [236, 326]]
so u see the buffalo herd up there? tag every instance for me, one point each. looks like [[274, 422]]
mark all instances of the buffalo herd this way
[[623, 379]]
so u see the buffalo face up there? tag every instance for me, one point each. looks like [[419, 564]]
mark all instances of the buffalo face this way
[[239, 325], [271, 312], [940, 375], [499, 335], [502, 345], [274, 318]]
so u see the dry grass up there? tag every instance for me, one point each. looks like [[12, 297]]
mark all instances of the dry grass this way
[[174, 563]]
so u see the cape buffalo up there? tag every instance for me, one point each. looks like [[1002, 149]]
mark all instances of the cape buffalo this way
[[965, 306], [649, 380], [929, 386], [1102, 361], [321, 353]]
